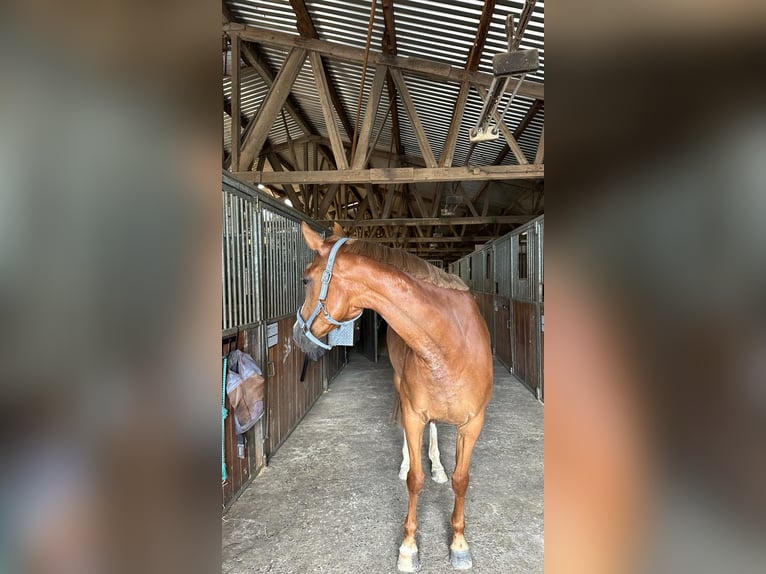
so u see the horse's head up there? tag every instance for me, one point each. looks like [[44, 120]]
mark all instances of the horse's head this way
[[327, 308]]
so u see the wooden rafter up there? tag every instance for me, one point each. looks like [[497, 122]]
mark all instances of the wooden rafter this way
[[523, 124], [509, 138], [415, 221], [540, 155], [371, 111], [389, 49], [454, 239], [307, 30], [253, 57], [417, 126], [271, 105], [325, 99], [235, 99], [397, 175], [276, 164], [416, 66], [472, 64]]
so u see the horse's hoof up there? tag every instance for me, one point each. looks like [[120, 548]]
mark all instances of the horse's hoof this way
[[408, 560], [403, 473], [460, 559], [439, 476]]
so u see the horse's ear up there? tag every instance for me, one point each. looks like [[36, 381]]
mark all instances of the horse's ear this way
[[337, 230], [312, 238]]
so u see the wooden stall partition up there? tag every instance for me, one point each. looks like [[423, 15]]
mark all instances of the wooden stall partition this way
[[241, 467], [502, 319], [289, 399], [334, 361], [486, 305], [525, 343]]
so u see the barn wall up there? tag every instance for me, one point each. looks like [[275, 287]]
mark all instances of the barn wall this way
[[507, 280], [263, 257]]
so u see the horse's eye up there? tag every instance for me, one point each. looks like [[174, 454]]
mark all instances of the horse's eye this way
[[306, 280]]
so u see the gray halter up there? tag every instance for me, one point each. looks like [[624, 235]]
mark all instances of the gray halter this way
[[344, 334]]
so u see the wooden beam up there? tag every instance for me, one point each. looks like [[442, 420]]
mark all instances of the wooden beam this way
[[509, 139], [415, 66], [271, 105], [471, 64], [409, 105], [415, 221], [528, 117], [253, 58], [323, 90], [306, 28], [396, 175], [540, 155], [235, 99], [388, 202], [524, 17], [525, 121], [388, 42], [276, 164], [327, 200], [370, 113], [403, 240]]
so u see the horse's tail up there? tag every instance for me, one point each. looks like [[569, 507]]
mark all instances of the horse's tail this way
[[396, 411]]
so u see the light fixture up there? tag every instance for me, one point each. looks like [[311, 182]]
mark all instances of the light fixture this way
[[504, 65], [288, 202], [262, 187]]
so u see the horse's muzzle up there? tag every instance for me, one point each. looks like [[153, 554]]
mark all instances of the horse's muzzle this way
[[311, 349]]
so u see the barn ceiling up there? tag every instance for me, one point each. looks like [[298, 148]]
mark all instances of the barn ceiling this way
[[359, 111]]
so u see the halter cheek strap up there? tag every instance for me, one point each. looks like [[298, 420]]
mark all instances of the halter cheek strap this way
[[320, 306]]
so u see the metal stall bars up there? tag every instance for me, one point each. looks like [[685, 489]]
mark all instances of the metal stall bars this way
[[541, 306], [263, 255], [508, 285], [502, 300], [526, 249], [285, 256], [240, 304], [241, 312]]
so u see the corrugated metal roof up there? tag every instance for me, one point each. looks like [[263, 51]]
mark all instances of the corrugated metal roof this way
[[441, 31]]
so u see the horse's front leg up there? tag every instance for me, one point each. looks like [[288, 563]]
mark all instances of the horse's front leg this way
[[460, 554], [413, 430]]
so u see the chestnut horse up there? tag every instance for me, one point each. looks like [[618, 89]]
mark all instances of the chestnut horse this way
[[438, 344]]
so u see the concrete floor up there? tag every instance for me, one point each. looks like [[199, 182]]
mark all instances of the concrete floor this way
[[331, 499]]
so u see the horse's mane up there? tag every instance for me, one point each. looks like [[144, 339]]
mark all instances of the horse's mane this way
[[401, 259]]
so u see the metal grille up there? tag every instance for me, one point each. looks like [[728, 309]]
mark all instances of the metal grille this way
[[521, 273], [541, 259], [238, 252], [285, 256], [503, 266], [477, 271]]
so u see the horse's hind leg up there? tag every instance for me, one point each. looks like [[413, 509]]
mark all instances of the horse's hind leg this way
[[460, 554], [437, 470], [413, 429], [405, 466]]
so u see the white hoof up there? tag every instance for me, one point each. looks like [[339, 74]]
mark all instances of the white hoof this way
[[408, 559], [439, 476]]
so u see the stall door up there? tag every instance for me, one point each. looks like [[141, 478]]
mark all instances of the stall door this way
[[368, 335], [503, 330], [525, 343]]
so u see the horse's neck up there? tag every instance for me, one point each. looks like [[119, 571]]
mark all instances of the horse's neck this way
[[410, 307]]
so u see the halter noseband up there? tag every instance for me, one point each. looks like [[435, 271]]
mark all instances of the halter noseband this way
[[345, 334]]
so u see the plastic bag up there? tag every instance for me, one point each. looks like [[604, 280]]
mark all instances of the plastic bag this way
[[244, 386]]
